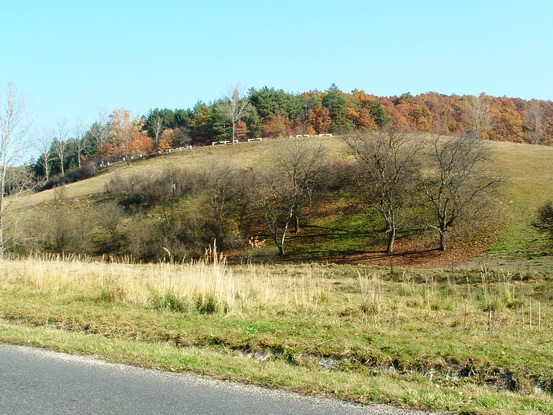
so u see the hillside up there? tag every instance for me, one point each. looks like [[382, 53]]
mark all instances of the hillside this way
[[468, 337], [334, 233]]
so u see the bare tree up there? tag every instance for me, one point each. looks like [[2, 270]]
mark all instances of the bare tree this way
[[288, 188], [60, 142], [108, 219], [227, 194], [100, 130], [386, 160], [79, 130], [14, 127], [157, 129], [235, 107], [43, 143], [535, 123], [479, 114], [456, 181]]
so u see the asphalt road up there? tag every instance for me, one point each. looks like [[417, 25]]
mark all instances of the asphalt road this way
[[35, 381]]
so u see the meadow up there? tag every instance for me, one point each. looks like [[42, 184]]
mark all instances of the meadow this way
[[472, 341]]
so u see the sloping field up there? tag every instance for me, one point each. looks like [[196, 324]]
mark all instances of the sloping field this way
[[527, 173], [528, 183], [243, 155]]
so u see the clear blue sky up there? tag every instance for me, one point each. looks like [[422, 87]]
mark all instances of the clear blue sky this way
[[73, 57]]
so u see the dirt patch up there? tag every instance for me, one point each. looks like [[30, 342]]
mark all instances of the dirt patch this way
[[415, 254], [417, 251], [408, 253]]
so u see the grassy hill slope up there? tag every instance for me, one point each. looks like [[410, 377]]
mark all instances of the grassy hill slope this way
[[338, 234]]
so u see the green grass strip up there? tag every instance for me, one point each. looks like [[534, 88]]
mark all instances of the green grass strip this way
[[417, 392]]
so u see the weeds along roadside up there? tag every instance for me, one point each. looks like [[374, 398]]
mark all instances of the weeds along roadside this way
[[482, 326]]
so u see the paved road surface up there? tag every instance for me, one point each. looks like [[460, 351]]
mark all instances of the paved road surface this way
[[34, 381]]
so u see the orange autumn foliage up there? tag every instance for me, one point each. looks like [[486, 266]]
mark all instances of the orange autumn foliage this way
[[127, 138]]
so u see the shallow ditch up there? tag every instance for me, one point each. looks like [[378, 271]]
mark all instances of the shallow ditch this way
[[502, 379]]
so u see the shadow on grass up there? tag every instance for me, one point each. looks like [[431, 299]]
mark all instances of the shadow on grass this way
[[344, 246], [337, 231]]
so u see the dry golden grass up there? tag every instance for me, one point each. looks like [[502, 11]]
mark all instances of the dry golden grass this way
[[364, 293], [197, 285]]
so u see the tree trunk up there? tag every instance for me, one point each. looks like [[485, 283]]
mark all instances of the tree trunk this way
[[47, 169], [283, 239], [2, 208], [391, 240], [1, 238], [443, 240], [279, 241]]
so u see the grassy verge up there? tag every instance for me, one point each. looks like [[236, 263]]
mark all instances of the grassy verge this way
[[475, 342], [356, 387]]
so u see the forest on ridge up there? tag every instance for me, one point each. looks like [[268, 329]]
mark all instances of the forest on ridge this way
[[269, 112]]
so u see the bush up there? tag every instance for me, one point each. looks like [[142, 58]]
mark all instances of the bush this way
[[71, 176], [108, 218], [544, 219], [339, 176], [141, 190], [67, 230]]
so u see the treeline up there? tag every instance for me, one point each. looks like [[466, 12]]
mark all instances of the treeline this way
[[410, 186], [276, 113], [269, 112]]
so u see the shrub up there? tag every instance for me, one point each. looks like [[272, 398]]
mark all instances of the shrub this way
[[146, 190], [544, 219], [72, 176]]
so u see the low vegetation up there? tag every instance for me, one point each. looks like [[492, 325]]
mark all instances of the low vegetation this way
[[471, 341]]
